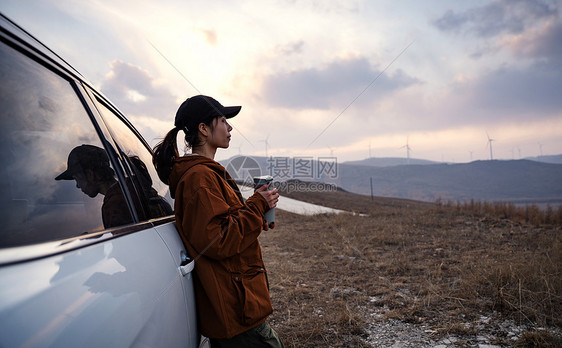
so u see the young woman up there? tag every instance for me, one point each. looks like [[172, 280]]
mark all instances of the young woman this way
[[219, 229]]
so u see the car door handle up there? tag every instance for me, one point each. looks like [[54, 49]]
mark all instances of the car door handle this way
[[187, 263], [187, 267]]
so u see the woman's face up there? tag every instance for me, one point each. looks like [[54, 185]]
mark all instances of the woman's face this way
[[220, 137]]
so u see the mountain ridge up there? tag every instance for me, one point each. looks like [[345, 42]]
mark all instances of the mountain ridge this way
[[479, 180], [504, 180]]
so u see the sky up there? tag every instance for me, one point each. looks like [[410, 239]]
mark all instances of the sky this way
[[344, 79]]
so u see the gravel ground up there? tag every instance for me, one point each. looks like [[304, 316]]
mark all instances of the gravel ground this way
[[488, 333]]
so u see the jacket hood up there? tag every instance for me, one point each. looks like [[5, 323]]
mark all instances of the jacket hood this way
[[185, 163]]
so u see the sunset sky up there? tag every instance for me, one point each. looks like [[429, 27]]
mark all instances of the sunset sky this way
[[326, 78]]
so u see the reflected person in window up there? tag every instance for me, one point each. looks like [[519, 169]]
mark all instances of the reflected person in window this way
[[89, 166], [157, 205]]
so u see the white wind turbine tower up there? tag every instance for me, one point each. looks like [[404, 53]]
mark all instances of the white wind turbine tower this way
[[408, 148], [266, 141], [489, 143]]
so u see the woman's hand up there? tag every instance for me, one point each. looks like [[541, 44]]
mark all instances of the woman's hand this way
[[272, 197], [266, 227]]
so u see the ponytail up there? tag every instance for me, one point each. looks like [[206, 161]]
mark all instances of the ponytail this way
[[164, 154], [167, 150]]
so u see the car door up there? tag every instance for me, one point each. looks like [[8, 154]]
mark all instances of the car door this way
[[153, 201], [80, 265]]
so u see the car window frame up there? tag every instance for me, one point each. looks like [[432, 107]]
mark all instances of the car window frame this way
[[97, 97], [24, 253], [110, 147]]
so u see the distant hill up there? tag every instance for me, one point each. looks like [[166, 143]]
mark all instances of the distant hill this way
[[557, 159], [389, 161], [520, 181]]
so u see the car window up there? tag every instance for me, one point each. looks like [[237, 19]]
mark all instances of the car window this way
[[154, 195], [46, 136]]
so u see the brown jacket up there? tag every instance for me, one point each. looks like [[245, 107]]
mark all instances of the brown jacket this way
[[221, 234]]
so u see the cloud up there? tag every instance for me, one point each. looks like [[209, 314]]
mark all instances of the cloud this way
[[135, 91], [141, 98], [503, 95], [210, 36], [333, 86], [517, 89], [542, 43], [291, 48], [326, 7], [516, 93], [497, 17]]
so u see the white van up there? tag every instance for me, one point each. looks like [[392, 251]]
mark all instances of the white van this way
[[89, 252]]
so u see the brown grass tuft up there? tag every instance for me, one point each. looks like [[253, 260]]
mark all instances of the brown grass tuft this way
[[528, 214], [538, 339]]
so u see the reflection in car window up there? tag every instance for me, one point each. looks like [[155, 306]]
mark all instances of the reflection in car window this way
[[42, 120], [88, 166], [155, 197]]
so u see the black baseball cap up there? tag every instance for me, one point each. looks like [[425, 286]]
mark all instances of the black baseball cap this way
[[84, 157], [201, 109]]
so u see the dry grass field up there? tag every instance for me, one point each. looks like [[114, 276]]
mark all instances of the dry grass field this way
[[438, 266]]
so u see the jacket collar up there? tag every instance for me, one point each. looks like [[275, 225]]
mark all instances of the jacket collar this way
[[183, 164]]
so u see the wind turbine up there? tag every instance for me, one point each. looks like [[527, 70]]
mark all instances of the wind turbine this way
[[489, 143], [540, 149], [266, 141], [408, 148]]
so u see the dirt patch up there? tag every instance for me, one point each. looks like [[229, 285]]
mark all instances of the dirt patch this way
[[404, 267]]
